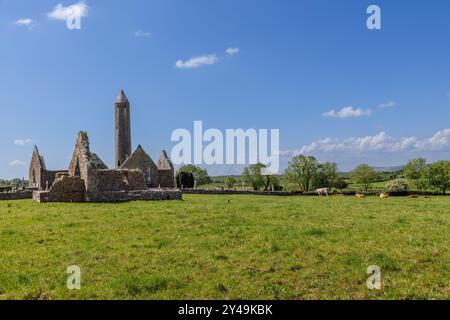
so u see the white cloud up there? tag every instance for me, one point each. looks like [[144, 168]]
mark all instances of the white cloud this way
[[141, 33], [17, 163], [196, 62], [22, 142], [389, 104], [76, 10], [232, 51], [348, 112], [24, 22], [380, 142]]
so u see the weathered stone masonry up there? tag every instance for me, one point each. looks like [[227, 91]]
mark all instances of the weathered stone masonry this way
[[85, 183], [40, 178], [4, 196], [123, 129], [155, 176], [89, 179]]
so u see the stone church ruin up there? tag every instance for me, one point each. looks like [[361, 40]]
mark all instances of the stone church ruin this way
[[135, 177]]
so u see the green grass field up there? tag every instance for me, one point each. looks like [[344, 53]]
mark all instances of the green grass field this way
[[227, 247]]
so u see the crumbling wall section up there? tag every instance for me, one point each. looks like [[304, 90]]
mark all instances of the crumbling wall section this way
[[64, 189], [50, 177], [37, 170], [166, 171], [119, 180], [21, 195], [81, 166], [166, 179], [89, 180], [138, 195], [141, 161]]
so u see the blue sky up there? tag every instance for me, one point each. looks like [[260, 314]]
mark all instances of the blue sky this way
[[297, 62]]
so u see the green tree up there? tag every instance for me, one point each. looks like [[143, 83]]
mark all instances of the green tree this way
[[397, 185], [185, 180], [328, 173], [438, 175], [272, 182], [201, 175], [230, 182], [301, 171], [416, 171], [340, 184], [252, 176], [364, 175], [422, 183]]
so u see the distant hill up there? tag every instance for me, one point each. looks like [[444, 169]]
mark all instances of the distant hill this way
[[389, 169]]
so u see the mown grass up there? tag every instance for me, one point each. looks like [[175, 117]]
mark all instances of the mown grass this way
[[227, 247]]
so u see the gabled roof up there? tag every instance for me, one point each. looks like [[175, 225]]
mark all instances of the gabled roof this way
[[38, 157], [164, 162], [41, 158], [97, 163], [138, 155]]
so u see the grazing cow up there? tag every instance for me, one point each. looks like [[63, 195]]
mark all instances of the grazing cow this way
[[359, 196], [384, 195], [323, 191]]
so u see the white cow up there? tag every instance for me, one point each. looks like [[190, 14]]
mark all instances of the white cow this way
[[323, 191]]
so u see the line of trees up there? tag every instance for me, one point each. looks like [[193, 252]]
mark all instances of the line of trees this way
[[306, 173], [13, 182], [252, 176], [423, 176]]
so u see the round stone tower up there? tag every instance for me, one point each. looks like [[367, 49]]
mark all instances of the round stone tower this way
[[123, 129]]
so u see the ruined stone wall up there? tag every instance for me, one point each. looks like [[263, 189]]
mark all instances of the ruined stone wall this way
[[81, 166], [166, 171], [141, 161], [37, 178], [5, 196], [119, 180], [64, 189], [80, 156], [85, 181], [114, 196], [140, 195], [50, 176], [238, 192], [36, 172], [166, 179]]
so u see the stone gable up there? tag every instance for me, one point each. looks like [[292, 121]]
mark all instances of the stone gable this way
[[89, 179], [39, 177], [142, 162], [166, 171]]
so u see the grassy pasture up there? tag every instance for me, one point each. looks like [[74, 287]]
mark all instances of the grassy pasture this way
[[227, 247]]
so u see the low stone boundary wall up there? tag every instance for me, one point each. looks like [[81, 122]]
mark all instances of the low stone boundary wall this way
[[16, 196], [238, 192], [299, 194], [142, 195], [119, 196]]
